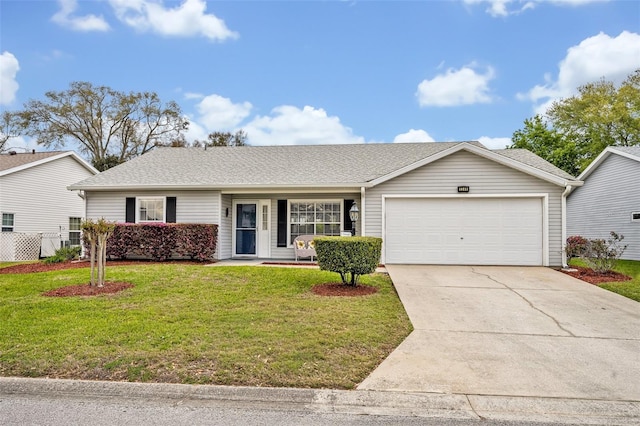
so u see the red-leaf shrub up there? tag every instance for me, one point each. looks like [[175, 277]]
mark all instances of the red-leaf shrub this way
[[162, 241], [576, 246]]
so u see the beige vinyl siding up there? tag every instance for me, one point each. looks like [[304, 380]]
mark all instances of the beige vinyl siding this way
[[605, 202], [483, 176], [39, 199], [191, 206]]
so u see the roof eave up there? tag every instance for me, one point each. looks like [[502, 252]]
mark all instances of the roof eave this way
[[225, 187], [603, 156]]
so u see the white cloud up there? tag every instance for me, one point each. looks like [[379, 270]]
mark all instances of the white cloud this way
[[193, 95], [494, 143], [220, 114], [22, 144], [289, 125], [66, 19], [502, 8], [195, 131], [9, 67], [187, 20], [413, 135], [600, 56], [465, 86]]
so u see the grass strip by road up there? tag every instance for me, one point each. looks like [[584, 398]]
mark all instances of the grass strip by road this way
[[254, 326]]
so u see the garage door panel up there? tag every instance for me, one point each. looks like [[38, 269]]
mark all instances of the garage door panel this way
[[483, 231]]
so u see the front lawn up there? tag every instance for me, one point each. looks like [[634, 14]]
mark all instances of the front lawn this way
[[630, 289], [256, 326]]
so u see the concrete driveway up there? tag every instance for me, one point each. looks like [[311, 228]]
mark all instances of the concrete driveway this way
[[512, 331]]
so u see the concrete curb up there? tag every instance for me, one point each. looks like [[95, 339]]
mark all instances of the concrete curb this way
[[410, 404]]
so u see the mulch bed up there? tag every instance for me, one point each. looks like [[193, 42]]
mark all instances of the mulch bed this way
[[30, 268], [339, 289], [593, 277], [87, 290]]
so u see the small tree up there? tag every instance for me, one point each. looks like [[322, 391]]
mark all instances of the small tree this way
[[96, 234], [350, 257]]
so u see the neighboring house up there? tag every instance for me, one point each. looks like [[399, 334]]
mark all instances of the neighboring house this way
[[609, 200], [438, 203], [34, 198]]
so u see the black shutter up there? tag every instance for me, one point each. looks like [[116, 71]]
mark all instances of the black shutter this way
[[347, 219], [171, 210], [282, 223], [130, 216]]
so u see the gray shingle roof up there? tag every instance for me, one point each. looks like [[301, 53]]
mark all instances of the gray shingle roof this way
[[293, 165], [529, 158]]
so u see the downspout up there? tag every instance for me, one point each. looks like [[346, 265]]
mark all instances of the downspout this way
[[83, 252], [218, 254], [564, 225], [363, 211]]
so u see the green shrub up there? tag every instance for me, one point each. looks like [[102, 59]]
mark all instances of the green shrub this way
[[602, 255], [348, 256], [599, 254], [63, 254]]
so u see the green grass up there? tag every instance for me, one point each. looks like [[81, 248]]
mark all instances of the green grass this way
[[630, 289], [253, 326]]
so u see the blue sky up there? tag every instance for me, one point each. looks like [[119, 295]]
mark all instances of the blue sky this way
[[309, 72]]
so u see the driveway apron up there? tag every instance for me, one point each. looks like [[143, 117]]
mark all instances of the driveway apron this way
[[512, 331]]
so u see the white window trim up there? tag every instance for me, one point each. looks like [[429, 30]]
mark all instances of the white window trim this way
[[13, 226], [634, 213], [340, 201], [147, 198], [77, 231]]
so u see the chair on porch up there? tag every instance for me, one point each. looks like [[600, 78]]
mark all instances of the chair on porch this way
[[303, 246]]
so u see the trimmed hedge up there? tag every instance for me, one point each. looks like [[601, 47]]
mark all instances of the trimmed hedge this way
[[348, 256], [163, 241]]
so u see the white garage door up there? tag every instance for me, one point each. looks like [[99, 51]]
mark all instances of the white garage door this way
[[464, 231]]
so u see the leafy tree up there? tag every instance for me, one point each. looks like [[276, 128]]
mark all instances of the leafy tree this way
[[105, 163], [238, 138], [103, 122], [547, 143], [579, 128], [178, 142], [8, 129]]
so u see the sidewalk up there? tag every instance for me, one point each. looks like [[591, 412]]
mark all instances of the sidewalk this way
[[410, 404]]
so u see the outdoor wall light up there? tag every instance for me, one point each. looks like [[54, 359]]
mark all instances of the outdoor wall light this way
[[354, 213]]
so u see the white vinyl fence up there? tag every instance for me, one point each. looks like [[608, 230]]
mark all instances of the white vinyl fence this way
[[16, 246]]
